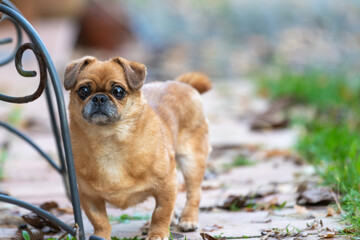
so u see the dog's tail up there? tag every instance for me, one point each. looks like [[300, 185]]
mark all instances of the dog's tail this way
[[197, 80]]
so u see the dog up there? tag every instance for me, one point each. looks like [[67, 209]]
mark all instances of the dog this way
[[127, 137]]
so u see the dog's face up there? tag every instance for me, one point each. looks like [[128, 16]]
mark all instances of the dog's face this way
[[101, 91]]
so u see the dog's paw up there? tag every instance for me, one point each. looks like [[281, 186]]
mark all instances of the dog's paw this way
[[188, 226], [156, 238]]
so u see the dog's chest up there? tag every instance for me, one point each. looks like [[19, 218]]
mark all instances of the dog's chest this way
[[110, 175]]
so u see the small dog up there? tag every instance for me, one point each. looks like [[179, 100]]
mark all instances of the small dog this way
[[127, 138]]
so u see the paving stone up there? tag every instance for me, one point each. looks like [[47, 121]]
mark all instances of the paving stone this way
[[229, 106]]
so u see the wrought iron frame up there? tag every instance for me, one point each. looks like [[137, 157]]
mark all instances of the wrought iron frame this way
[[59, 124]]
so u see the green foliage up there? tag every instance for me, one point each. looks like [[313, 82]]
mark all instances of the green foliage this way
[[15, 116], [171, 236], [125, 218], [4, 154], [219, 236], [323, 90], [242, 161], [134, 238], [238, 162], [68, 237], [233, 207], [25, 235], [331, 140]]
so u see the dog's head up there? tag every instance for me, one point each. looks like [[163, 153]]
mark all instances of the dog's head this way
[[101, 91]]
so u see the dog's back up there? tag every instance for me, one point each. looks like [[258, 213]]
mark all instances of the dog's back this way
[[178, 103]]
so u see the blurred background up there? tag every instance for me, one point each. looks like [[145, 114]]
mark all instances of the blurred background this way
[[224, 38], [285, 74]]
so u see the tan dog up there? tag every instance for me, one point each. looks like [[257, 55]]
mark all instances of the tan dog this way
[[126, 138]]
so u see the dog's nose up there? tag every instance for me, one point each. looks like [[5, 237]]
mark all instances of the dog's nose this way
[[98, 99]]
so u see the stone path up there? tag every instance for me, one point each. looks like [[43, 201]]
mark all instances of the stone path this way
[[270, 170], [230, 107]]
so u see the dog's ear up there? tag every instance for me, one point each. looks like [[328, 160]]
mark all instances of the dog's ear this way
[[73, 70], [135, 72]]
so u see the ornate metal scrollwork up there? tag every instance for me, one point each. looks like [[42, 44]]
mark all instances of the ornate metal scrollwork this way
[[9, 40], [57, 115], [43, 74], [17, 54]]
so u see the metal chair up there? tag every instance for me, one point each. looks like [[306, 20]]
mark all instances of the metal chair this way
[[60, 129]]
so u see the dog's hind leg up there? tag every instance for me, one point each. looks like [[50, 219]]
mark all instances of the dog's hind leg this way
[[191, 156]]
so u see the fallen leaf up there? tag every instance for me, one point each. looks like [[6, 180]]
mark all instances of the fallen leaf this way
[[300, 209], [302, 187], [34, 220], [234, 201], [327, 234], [47, 206], [67, 210], [349, 230], [206, 236], [265, 191], [277, 153], [330, 212], [40, 223], [269, 121], [34, 234], [318, 197], [211, 228], [313, 225]]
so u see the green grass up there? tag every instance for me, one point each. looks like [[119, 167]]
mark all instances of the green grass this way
[[238, 162], [4, 155], [25, 235], [134, 238], [331, 140], [67, 237], [322, 90], [125, 218]]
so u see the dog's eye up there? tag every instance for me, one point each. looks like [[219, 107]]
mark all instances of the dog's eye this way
[[84, 92], [118, 92]]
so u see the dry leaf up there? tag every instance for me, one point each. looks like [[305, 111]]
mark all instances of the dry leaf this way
[[47, 206], [211, 228], [40, 223], [34, 234], [277, 153], [67, 210], [330, 212], [327, 234], [265, 191], [318, 197], [349, 230], [234, 201], [206, 236], [313, 225], [300, 209], [269, 121]]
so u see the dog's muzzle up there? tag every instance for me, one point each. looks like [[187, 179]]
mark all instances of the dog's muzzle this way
[[100, 110]]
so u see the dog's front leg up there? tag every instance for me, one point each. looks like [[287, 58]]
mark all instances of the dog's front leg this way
[[165, 202], [95, 210]]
